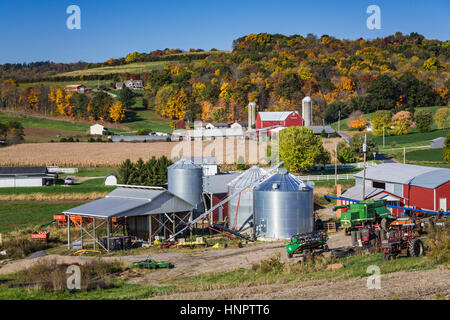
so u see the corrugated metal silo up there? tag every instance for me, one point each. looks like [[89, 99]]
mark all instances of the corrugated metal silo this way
[[307, 111], [185, 180], [284, 206], [243, 204]]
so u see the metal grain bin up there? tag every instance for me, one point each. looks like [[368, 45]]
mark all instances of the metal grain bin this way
[[243, 204], [185, 180], [284, 206]]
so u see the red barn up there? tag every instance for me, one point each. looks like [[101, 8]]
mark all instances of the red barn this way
[[215, 188], [405, 185], [285, 119]]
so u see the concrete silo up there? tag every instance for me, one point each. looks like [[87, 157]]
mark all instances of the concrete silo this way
[[240, 208], [307, 111], [284, 206], [185, 180], [251, 115]]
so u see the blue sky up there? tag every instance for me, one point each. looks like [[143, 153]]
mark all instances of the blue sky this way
[[36, 30]]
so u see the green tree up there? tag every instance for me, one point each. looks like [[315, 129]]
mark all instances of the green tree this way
[[331, 113], [125, 172], [356, 146], [345, 153], [301, 149], [219, 115], [423, 119], [401, 122], [15, 132], [126, 96], [378, 120], [383, 93]]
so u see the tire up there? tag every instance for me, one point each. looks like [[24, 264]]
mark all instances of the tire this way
[[240, 245], [325, 248], [353, 235], [290, 255], [416, 248]]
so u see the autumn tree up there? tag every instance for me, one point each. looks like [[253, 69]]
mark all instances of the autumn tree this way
[[357, 120], [401, 122], [300, 149], [446, 150], [379, 120], [442, 118], [117, 112]]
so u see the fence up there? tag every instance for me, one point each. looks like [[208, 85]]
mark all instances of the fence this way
[[323, 177], [345, 166]]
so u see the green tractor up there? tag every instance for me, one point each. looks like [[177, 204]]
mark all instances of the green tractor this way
[[306, 243], [151, 264], [367, 221]]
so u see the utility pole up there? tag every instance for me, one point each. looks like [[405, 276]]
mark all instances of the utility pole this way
[[404, 155], [364, 175], [339, 121], [383, 135], [335, 165]]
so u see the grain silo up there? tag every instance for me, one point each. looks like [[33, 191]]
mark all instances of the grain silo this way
[[251, 115], [185, 180], [240, 208], [307, 111], [284, 206]]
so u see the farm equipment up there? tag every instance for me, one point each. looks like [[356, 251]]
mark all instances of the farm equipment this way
[[168, 245], [307, 242], [151, 264], [402, 240], [365, 221], [41, 236]]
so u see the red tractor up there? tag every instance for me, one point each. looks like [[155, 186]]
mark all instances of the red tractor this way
[[402, 240]]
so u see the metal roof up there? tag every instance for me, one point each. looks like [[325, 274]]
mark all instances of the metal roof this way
[[216, 184], [184, 164], [23, 170], [202, 160], [355, 192], [282, 181], [275, 116], [246, 178], [421, 176], [319, 129], [128, 201]]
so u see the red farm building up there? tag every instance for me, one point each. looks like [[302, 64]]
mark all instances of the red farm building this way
[[215, 190], [284, 119], [405, 185]]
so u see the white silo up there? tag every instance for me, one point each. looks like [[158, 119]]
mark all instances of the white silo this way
[[251, 115], [307, 111]]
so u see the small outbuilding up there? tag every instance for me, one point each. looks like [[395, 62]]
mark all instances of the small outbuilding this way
[[97, 129], [25, 176], [437, 143], [111, 180]]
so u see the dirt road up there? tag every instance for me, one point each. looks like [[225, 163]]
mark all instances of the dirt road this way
[[399, 285]]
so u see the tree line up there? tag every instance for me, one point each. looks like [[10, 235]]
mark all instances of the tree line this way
[[150, 173]]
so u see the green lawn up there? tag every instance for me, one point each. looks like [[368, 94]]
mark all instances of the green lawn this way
[[94, 185], [29, 122], [20, 216], [434, 155], [409, 140]]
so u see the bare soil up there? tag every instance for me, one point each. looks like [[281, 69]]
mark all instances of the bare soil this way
[[423, 285]]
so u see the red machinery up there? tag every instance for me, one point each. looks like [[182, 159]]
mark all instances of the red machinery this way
[[61, 220], [41, 236], [402, 240]]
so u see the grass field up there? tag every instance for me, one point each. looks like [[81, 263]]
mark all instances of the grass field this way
[[410, 140], [15, 216], [355, 266]]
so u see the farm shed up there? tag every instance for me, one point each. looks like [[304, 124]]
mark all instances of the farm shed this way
[[405, 185], [111, 180], [319, 129], [144, 212], [215, 190], [25, 176], [97, 129], [284, 119]]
